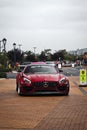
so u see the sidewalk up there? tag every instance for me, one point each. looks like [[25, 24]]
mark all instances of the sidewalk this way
[[70, 114], [43, 113]]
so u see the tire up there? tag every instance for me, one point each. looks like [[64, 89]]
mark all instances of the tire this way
[[66, 94], [16, 86], [19, 89], [67, 91]]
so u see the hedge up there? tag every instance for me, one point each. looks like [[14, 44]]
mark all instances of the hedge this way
[[3, 75]]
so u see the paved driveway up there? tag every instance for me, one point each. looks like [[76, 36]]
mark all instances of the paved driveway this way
[[42, 112]]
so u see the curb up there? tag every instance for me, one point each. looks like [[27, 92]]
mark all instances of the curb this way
[[83, 85], [2, 78]]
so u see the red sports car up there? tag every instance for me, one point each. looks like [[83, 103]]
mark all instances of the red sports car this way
[[41, 79]]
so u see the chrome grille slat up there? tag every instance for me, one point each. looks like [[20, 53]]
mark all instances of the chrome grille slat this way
[[40, 84]]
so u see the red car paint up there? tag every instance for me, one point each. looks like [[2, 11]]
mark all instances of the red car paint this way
[[38, 82]]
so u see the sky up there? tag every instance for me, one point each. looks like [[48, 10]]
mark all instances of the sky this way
[[44, 24]]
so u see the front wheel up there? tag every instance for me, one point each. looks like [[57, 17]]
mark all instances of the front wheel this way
[[16, 86], [67, 91], [19, 89]]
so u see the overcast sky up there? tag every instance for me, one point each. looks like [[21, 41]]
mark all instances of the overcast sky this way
[[44, 24]]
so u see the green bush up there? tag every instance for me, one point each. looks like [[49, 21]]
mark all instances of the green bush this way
[[3, 75], [3, 69]]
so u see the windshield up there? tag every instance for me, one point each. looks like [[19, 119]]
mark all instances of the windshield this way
[[40, 69]]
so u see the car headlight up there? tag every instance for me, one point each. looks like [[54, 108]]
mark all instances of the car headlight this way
[[27, 81], [63, 80]]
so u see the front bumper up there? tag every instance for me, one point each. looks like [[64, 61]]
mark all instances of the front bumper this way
[[45, 89]]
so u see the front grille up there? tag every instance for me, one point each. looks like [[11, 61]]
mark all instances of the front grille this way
[[42, 84], [37, 84]]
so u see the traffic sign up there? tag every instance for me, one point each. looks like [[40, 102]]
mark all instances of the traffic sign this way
[[82, 76]]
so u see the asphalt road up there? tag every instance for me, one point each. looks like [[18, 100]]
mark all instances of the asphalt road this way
[[69, 71]]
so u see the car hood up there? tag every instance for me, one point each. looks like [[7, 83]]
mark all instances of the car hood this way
[[44, 77]]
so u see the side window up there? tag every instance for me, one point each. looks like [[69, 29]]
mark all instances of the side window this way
[[29, 69]]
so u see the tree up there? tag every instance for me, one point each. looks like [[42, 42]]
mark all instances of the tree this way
[[45, 55], [18, 55], [85, 57], [30, 56], [3, 59], [59, 55], [42, 56]]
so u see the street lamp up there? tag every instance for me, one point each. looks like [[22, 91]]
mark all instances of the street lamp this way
[[0, 46], [34, 50], [20, 48], [34, 53], [4, 40], [14, 47]]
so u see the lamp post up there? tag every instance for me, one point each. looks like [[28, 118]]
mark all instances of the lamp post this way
[[0, 46], [20, 48], [4, 40], [14, 47], [34, 50]]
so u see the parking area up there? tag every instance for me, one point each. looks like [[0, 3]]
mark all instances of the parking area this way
[[48, 112]]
